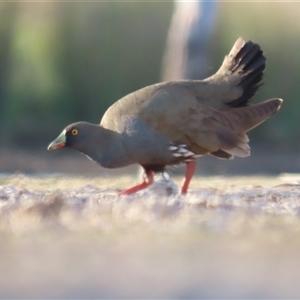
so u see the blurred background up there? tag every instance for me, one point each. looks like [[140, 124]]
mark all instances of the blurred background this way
[[62, 62]]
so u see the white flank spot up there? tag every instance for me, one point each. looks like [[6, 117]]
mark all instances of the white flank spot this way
[[188, 153], [177, 154], [172, 148], [182, 150]]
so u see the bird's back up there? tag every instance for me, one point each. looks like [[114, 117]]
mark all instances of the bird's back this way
[[231, 86]]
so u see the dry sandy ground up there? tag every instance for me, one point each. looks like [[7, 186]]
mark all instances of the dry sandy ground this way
[[236, 237]]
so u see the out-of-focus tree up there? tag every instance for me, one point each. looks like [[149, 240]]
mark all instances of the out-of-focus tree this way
[[188, 51], [34, 84], [8, 20], [70, 61]]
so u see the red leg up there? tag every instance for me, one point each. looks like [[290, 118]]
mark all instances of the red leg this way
[[147, 180], [190, 170]]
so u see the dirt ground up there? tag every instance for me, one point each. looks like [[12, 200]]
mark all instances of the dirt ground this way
[[73, 237]]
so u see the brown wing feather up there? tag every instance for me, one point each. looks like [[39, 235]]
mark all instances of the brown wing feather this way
[[210, 131], [218, 132]]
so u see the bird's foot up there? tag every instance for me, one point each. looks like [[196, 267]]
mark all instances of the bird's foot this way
[[147, 181], [190, 170]]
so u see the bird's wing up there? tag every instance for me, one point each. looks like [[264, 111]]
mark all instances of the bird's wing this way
[[206, 130]]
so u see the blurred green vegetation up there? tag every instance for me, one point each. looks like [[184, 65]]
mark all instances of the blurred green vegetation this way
[[65, 62]]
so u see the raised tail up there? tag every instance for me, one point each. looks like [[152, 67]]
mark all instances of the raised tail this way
[[243, 67]]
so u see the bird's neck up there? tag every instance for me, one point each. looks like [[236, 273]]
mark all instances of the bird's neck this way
[[107, 148]]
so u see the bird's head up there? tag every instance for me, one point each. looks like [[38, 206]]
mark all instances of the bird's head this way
[[74, 135]]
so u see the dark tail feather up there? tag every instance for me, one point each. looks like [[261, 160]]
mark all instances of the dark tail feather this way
[[247, 61]]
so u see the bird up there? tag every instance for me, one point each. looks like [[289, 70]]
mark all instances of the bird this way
[[175, 122]]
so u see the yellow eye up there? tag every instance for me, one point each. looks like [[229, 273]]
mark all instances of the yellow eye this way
[[74, 131]]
